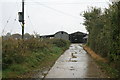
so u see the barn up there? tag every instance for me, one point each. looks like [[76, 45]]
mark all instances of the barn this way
[[77, 37], [47, 36], [61, 35]]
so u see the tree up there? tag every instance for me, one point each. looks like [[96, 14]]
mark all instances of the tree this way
[[104, 32]]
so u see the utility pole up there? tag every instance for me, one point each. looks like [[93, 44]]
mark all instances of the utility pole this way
[[23, 24], [21, 19]]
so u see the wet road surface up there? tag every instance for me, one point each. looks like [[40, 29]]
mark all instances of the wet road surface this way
[[75, 63]]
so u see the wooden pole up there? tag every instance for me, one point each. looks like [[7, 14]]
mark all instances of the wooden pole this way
[[23, 19]]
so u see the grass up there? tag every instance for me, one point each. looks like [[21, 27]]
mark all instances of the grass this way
[[0, 57], [23, 57], [94, 55], [103, 63], [110, 71]]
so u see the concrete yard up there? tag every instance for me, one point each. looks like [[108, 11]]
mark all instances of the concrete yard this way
[[75, 63]]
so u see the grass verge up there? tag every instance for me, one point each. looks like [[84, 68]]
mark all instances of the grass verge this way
[[103, 63], [23, 57]]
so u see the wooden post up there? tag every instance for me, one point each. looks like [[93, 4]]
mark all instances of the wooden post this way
[[23, 19]]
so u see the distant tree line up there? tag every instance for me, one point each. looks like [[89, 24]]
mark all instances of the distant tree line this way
[[104, 32], [19, 36]]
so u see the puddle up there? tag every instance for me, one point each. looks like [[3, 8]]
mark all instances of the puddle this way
[[75, 52], [72, 69], [73, 60], [73, 56]]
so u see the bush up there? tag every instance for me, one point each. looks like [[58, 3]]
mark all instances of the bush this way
[[60, 43]]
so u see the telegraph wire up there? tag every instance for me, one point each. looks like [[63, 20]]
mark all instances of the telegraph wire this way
[[62, 3], [17, 5], [5, 25], [59, 11], [29, 18], [108, 2], [8, 20], [44, 4]]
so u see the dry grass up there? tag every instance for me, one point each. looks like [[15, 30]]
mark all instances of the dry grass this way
[[94, 55]]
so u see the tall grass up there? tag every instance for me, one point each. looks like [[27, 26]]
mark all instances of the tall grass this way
[[21, 56], [0, 57]]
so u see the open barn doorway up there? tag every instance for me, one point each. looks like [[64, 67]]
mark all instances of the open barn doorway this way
[[77, 37]]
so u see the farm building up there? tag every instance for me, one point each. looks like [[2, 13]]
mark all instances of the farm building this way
[[77, 37], [58, 35], [61, 35], [47, 36]]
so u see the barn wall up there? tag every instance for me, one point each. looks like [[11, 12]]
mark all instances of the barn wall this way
[[62, 35]]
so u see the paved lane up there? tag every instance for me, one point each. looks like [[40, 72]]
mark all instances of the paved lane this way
[[75, 63]]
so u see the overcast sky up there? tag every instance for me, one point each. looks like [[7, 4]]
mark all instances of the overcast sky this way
[[46, 16]]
